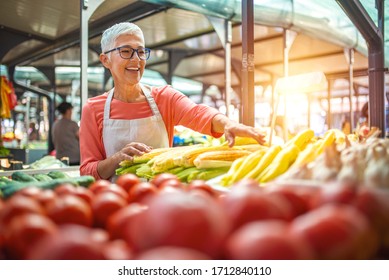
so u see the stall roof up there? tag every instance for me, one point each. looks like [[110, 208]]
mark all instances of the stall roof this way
[[45, 34]]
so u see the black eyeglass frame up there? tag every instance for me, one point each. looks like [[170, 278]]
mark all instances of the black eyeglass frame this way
[[147, 52]]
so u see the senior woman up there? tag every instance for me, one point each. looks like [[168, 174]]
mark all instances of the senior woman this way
[[133, 118]]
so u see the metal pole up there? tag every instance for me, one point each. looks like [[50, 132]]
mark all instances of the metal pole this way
[[374, 39], [87, 7], [248, 62], [227, 61], [351, 86]]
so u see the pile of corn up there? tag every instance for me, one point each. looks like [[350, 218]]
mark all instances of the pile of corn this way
[[190, 162], [246, 159], [264, 166]]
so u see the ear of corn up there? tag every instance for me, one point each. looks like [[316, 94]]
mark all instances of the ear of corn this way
[[251, 148], [328, 139], [144, 171], [226, 179], [128, 169], [308, 155], [209, 173], [249, 163], [280, 163], [242, 141], [301, 139], [187, 158], [148, 156], [209, 163], [264, 161], [229, 155], [165, 161]]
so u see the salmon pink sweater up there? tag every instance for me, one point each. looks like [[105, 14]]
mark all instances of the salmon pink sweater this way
[[175, 108]]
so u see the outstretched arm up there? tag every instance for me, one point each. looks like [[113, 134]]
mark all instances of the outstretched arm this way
[[231, 129]]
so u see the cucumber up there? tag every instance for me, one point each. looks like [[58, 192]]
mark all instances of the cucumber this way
[[22, 177], [42, 177], [58, 175], [13, 187]]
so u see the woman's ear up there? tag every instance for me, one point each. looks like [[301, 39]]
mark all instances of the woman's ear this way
[[105, 60]]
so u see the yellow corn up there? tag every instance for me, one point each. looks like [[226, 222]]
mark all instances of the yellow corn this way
[[148, 156], [187, 158], [226, 156], [247, 165], [243, 141], [251, 148], [225, 180], [308, 155], [301, 139], [280, 163], [328, 139], [265, 160], [165, 161]]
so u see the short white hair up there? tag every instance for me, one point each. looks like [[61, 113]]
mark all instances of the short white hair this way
[[109, 35]]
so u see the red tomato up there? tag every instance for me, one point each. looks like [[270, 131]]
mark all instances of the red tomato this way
[[99, 184], [99, 235], [32, 192], [114, 189], [72, 242], [172, 253], [70, 209], [337, 192], [179, 219], [24, 231], [333, 231], [104, 205], [65, 188], [246, 204], [18, 205], [46, 197], [83, 193], [122, 218], [175, 183], [140, 192], [267, 240], [160, 178], [127, 181], [201, 185], [117, 250], [299, 204]]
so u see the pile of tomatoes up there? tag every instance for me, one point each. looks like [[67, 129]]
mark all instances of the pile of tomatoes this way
[[166, 219]]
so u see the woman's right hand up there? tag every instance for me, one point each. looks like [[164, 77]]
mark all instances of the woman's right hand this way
[[132, 149]]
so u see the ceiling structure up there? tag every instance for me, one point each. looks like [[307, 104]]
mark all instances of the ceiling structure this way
[[46, 34]]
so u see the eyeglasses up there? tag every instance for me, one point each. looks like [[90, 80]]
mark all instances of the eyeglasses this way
[[126, 52]]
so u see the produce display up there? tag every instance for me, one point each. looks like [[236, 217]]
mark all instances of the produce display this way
[[258, 211]]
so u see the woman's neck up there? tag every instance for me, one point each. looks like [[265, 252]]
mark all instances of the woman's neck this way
[[129, 93]]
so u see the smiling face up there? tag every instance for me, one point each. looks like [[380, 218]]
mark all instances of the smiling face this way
[[125, 71]]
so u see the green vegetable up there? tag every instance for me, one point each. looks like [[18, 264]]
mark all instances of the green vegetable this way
[[57, 175], [9, 189], [22, 177], [42, 177]]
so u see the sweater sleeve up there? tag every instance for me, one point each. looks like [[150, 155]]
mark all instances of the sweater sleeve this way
[[91, 145], [194, 116]]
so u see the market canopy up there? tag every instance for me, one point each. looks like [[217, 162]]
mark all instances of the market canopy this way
[[46, 35]]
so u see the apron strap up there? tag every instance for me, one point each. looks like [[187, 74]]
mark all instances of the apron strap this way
[[107, 105], [151, 101]]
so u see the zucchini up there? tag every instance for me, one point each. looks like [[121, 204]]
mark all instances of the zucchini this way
[[13, 187], [22, 177]]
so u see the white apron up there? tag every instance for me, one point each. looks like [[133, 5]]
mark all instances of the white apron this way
[[118, 133]]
